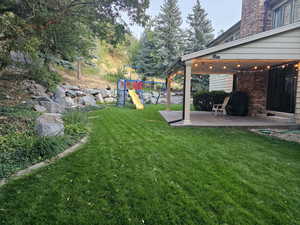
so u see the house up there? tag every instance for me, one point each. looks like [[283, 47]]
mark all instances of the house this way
[[224, 82], [270, 14], [261, 53]]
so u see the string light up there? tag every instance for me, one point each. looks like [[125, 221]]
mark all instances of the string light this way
[[224, 67], [196, 65], [283, 66], [268, 67], [210, 67], [255, 67], [238, 66]]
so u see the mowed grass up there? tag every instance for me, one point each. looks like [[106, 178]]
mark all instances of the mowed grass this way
[[137, 170]]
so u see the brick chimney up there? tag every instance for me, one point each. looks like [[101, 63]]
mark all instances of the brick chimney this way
[[256, 17]]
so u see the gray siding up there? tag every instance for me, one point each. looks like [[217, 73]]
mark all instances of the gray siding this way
[[220, 83], [281, 46]]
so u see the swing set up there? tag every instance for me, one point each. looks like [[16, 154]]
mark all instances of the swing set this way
[[128, 88]]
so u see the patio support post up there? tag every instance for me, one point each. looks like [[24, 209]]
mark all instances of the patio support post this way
[[187, 94], [169, 81], [297, 113]]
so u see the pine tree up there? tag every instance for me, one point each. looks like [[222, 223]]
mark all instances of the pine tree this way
[[200, 29], [169, 33], [148, 59]]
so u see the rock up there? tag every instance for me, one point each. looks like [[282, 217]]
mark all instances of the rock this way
[[106, 93], [80, 93], [88, 101], [153, 100], [71, 93], [71, 87], [42, 98], [162, 101], [50, 124], [70, 103], [39, 108], [155, 94], [60, 96], [99, 98], [92, 91], [53, 107], [34, 88], [109, 100]]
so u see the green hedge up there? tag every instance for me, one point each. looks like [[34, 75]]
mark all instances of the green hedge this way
[[204, 100]]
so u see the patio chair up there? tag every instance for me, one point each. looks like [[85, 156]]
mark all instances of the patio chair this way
[[221, 108]]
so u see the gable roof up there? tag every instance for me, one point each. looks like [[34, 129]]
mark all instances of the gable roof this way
[[236, 27]]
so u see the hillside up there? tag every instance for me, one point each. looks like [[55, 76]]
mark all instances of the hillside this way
[[109, 65]]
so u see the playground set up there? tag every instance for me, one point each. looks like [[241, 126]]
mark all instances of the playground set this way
[[135, 89]]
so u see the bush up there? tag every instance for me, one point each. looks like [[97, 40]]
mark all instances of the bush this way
[[20, 150], [204, 101], [114, 77], [21, 147], [75, 123]]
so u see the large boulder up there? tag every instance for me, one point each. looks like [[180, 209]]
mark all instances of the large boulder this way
[[92, 91], [70, 103], [60, 96], [50, 124], [33, 88], [99, 98], [39, 108], [53, 107], [88, 101], [109, 100]]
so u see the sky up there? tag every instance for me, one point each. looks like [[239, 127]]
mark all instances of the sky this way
[[222, 13]]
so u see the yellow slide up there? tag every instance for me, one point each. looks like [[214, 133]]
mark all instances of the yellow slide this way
[[136, 100]]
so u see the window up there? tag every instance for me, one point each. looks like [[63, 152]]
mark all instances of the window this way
[[283, 14]]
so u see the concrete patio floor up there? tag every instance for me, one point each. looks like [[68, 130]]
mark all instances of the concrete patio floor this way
[[208, 119]]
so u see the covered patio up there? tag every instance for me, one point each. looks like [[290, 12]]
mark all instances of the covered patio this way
[[255, 55], [208, 119]]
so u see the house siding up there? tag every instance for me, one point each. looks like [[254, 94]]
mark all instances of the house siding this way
[[285, 45], [221, 83]]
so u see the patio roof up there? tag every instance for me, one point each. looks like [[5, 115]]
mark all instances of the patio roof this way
[[271, 48]]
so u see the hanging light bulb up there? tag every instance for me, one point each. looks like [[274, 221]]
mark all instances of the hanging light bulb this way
[[238, 66], [196, 65], [283, 66], [255, 67], [268, 67], [296, 65], [224, 67], [211, 67]]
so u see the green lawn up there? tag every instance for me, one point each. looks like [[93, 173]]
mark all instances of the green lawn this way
[[137, 170]]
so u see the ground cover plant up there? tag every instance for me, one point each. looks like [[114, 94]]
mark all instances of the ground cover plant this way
[[20, 146], [135, 169]]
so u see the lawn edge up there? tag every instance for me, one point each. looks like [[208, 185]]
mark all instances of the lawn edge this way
[[45, 163]]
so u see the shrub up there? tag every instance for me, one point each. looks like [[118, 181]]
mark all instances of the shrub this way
[[21, 147], [75, 123], [114, 77], [204, 101]]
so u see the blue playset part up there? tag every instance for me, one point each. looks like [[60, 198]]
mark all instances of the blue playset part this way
[[138, 85]]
